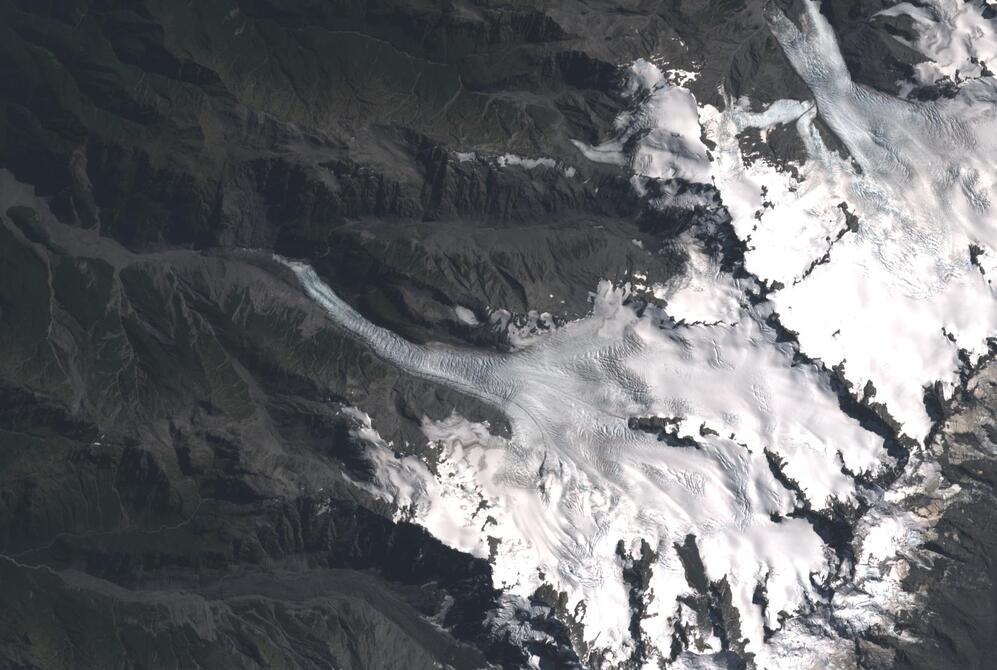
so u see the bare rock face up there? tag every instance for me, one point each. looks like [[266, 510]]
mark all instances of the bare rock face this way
[[957, 574]]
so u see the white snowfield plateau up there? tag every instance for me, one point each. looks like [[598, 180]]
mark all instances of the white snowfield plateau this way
[[576, 489]]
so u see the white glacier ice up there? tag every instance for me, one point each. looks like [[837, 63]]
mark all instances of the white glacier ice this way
[[703, 293], [891, 300], [900, 296], [894, 299], [575, 479], [959, 42], [881, 253], [665, 125]]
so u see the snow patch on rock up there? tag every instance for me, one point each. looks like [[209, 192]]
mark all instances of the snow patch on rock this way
[[660, 138]]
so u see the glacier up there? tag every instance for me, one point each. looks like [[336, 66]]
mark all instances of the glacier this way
[[879, 257], [880, 254], [576, 479]]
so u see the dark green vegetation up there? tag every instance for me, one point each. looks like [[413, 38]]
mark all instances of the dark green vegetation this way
[[328, 130], [172, 469]]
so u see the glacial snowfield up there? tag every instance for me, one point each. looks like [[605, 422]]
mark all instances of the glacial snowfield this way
[[896, 299], [575, 480], [880, 257]]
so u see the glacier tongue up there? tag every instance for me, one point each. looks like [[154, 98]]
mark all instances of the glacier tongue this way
[[578, 477], [901, 295], [630, 427]]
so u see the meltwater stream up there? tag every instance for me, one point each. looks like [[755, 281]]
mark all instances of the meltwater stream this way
[[575, 479]]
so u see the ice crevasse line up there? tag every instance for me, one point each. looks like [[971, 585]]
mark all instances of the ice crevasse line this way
[[881, 251], [896, 299], [902, 295], [575, 479]]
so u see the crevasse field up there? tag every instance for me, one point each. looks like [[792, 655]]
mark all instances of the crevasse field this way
[[752, 434]]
